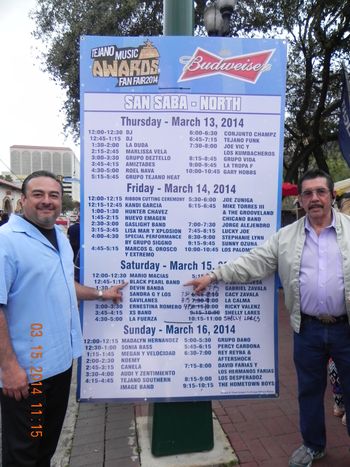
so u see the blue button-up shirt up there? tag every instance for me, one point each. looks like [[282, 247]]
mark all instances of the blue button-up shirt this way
[[38, 298], [321, 274]]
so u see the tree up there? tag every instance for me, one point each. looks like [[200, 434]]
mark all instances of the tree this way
[[318, 41], [317, 32], [338, 168], [60, 23], [67, 203]]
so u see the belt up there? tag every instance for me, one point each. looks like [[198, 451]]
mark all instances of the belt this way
[[325, 319]]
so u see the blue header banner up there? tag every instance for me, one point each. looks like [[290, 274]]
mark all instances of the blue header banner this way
[[344, 119], [201, 64]]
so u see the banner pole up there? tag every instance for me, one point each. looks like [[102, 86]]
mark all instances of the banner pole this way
[[180, 427]]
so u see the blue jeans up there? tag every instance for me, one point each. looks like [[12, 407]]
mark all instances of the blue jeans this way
[[313, 346]]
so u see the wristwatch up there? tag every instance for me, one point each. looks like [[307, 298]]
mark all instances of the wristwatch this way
[[99, 295], [212, 276]]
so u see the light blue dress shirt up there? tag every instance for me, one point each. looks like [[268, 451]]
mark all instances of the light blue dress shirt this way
[[321, 273], [39, 300]]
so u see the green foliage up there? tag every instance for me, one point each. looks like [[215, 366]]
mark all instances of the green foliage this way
[[67, 203], [338, 168], [318, 37], [317, 32]]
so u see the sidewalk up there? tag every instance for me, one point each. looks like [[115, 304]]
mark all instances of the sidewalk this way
[[265, 432], [262, 432]]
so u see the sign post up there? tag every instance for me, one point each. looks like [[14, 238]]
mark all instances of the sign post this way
[[180, 427], [178, 17]]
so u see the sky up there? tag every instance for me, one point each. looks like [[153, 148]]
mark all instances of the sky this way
[[30, 102]]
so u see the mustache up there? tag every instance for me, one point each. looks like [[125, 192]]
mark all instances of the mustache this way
[[46, 206], [315, 205]]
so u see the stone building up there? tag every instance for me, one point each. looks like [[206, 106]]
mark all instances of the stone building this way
[[10, 197]]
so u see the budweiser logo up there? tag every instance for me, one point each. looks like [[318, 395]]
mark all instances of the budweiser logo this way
[[244, 67]]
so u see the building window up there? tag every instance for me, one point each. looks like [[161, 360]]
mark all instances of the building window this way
[[36, 161], [57, 163], [67, 164], [47, 161], [16, 162], [26, 163]]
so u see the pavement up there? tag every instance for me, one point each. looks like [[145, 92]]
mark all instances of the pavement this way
[[250, 433]]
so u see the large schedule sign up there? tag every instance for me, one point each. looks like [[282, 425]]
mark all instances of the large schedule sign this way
[[181, 159]]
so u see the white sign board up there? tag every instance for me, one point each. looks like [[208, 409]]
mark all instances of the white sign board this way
[[182, 158]]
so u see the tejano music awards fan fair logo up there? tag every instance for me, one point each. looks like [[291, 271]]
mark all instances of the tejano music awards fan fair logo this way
[[132, 66]]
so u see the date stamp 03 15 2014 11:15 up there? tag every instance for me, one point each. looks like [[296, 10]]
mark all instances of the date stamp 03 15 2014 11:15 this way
[[36, 373]]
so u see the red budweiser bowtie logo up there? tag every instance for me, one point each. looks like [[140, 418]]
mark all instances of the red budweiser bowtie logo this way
[[244, 67]]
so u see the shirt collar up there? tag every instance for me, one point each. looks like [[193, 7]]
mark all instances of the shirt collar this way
[[20, 224]]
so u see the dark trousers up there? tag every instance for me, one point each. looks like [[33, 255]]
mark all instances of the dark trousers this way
[[31, 427], [313, 346]]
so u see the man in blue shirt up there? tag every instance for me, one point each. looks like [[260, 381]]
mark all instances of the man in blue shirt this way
[[73, 233], [40, 332]]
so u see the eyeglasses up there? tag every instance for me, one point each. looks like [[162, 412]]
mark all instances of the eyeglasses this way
[[319, 192]]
